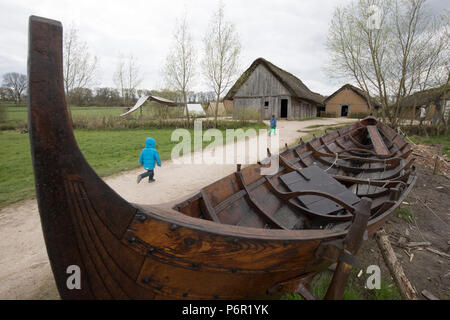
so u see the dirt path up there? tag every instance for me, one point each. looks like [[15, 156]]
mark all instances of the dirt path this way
[[25, 271]]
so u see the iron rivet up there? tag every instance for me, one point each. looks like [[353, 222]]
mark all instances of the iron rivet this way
[[132, 240], [150, 250], [146, 280], [189, 241], [173, 227]]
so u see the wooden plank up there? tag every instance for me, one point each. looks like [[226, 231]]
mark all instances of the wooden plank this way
[[314, 178], [377, 141], [271, 219], [209, 210]]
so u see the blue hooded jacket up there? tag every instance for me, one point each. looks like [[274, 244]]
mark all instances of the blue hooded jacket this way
[[273, 122], [149, 155]]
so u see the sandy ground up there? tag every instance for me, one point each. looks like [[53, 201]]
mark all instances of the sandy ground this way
[[25, 271]]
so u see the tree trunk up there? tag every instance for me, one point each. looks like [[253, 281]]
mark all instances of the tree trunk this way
[[186, 108], [217, 108]]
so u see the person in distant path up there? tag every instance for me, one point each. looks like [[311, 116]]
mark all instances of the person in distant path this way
[[148, 157], [423, 113], [273, 125]]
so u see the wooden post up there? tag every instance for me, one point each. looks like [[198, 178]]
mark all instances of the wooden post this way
[[437, 161], [352, 243], [404, 286]]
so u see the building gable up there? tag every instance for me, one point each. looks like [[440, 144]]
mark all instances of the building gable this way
[[347, 96], [260, 83]]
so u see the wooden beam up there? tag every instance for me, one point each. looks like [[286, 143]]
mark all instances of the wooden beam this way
[[404, 286], [377, 141], [258, 209], [352, 243], [209, 210]]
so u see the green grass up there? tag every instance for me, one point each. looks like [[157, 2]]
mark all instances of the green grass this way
[[107, 151], [444, 141], [355, 289], [405, 214]]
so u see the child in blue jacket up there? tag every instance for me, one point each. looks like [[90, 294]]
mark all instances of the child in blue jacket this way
[[273, 125], [148, 157]]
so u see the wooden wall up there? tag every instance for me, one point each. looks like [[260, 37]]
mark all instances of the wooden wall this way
[[356, 104], [262, 86], [303, 109]]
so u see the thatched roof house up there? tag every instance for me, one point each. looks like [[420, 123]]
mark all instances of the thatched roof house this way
[[269, 90], [350, 100], [425, 97]]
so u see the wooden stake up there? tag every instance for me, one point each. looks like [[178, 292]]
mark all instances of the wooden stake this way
[[437, 161], [351, 246], [404, 286]]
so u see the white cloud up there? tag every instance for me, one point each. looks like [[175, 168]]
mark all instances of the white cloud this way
[[289, 33]]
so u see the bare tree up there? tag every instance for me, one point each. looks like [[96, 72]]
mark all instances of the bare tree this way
[[16, 82], [179, 69], [6, 93], [222, 50], [127, 77], [399, 56], [80, 68]]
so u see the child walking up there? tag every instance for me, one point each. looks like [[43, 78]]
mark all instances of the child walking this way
[[148, 157], [273, 125]]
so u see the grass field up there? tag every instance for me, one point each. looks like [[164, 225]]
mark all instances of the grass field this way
[[107, 151], [17, 115]]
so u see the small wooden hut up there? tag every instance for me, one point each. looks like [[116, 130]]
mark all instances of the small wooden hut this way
[[350, 101]]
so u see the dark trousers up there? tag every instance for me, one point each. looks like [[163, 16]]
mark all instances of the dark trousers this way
[[149, 174]]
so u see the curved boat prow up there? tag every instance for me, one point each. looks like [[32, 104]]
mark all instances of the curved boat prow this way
[[58, 161]]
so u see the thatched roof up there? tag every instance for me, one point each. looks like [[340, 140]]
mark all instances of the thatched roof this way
[[358, 91], [425, 97], [293, 84]]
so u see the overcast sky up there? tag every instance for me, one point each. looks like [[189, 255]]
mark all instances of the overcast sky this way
[[289, 33]]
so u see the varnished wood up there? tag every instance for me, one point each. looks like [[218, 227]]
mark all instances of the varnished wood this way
[[233, 239]]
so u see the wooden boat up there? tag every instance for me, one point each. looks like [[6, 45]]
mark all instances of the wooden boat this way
[[243, 236]]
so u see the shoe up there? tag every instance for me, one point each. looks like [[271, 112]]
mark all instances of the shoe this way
[[139, 178], [151, 180]]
